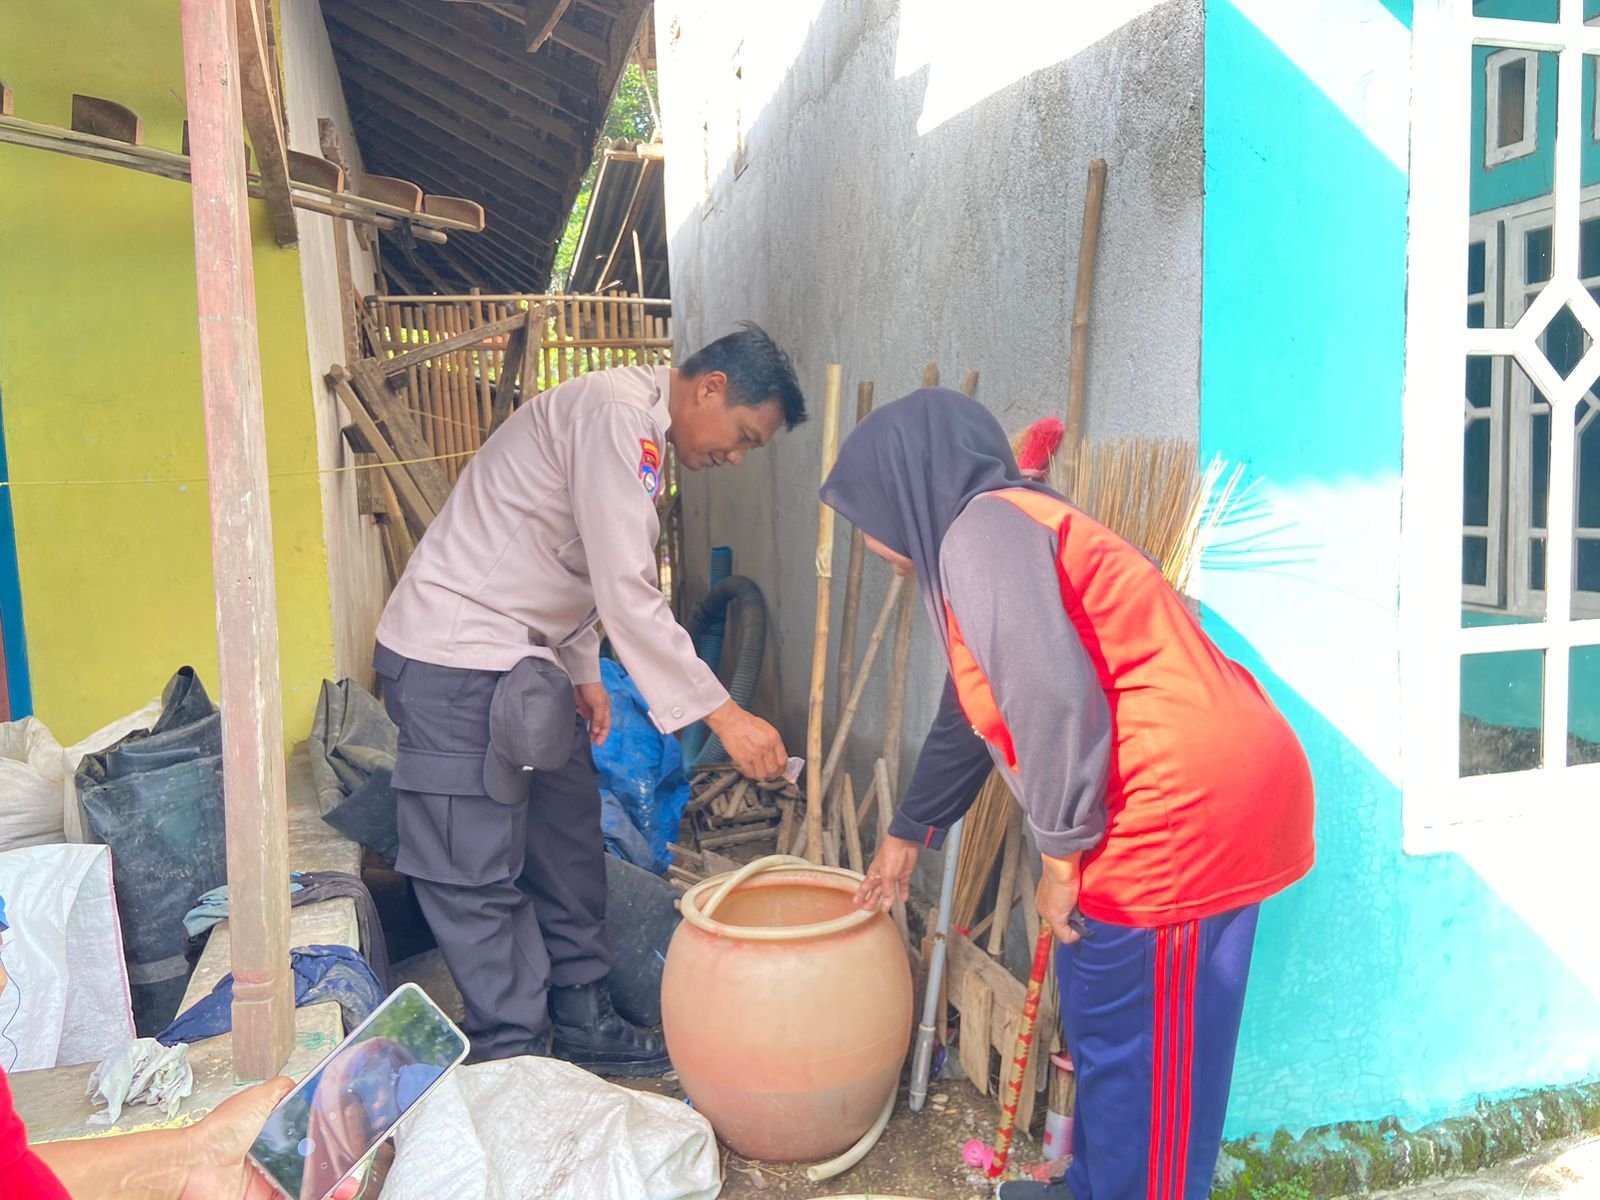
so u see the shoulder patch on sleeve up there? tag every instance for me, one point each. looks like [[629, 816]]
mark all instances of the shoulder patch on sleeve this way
[[649, 466]]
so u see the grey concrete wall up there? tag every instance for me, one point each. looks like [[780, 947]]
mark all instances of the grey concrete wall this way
[[879, 185], [356, 578]]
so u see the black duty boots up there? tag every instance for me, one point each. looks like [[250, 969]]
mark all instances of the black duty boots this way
[[591, 1034]]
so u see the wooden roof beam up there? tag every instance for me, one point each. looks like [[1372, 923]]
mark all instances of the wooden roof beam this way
[[501, 216], [540, 20], [432, 109], [405, 141], [418, 51], [496, 233], [263, 120], [555, 68], [580, 42], [491, 53]]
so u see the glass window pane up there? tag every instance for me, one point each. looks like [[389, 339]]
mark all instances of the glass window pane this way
[[1589, 248], [1587, 479], [1564, 341], [1502, 712], [1536, 249], [1539, 468], [1586, 568], [1475, 561], [1477, 257], [1544, 11], [1475, 509], [1536, 564], [1480, 376], [1475, 315], [1511, 118], [1583, 706]]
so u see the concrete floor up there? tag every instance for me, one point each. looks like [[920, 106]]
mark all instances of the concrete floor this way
[[1566, 1171]]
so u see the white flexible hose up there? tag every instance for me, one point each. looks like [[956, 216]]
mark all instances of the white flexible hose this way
[[869, 1139]]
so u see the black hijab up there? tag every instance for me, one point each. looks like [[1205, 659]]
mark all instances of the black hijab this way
[[906, 473]]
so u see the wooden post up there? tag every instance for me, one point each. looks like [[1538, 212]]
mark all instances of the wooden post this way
[[1093, 202], [819, 644], [241, 546]]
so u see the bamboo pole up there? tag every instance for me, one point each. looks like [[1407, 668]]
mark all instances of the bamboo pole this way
[[852, 579], [819, 645], [895, 712], [253, 768], [1093, 203], [847, 718], [884, 787], [930, 375], [852, 832], [969, 385], [485, 359], [1011, 865]]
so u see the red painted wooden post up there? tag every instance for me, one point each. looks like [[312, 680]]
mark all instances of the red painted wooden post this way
[[241, 546]]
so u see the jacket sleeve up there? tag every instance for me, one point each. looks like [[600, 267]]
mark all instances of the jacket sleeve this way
[[580, 658], [950, 770], [1001, 582], [616, 518]]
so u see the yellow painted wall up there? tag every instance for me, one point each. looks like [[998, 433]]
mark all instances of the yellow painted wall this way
[[100, 380]]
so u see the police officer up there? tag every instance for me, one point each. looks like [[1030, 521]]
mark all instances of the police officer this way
[[489, 655]]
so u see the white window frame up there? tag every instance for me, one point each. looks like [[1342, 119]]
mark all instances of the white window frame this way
[[1490, 595], [1441, 810], [1493, 154], [1522, 598]]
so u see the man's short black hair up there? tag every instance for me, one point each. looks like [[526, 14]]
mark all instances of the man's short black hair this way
[[758, 371]]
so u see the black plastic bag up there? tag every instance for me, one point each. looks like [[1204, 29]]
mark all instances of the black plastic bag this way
[[155, 799]]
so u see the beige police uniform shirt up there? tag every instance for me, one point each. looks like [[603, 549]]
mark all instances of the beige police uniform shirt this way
[[551, 527]]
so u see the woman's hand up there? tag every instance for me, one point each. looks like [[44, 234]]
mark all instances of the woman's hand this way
[[889, 877], [594, 706], [215, 1149], [1057, 895]]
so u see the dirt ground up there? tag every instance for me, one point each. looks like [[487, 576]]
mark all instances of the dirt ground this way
[[919, 1155]]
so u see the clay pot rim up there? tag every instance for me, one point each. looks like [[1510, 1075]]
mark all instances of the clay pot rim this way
[[836, 878]]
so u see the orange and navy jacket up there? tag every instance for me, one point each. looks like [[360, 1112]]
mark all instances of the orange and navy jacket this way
[[1122, 730]]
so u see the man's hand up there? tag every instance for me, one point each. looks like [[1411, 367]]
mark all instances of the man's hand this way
[[594, 706], [889, 877], [1057, 895], [753, 746]]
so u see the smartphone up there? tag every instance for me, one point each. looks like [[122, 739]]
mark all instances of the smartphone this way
[[337, 1114]]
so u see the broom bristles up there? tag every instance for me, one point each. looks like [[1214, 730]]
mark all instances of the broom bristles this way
[[1152, 492]]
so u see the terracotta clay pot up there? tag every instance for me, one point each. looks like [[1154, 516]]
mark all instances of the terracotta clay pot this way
[[787, 1012]]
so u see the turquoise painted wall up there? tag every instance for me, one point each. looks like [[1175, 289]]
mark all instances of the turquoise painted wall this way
[[1384, 983]]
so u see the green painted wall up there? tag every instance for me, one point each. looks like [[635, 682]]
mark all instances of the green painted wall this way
[[100, 380]]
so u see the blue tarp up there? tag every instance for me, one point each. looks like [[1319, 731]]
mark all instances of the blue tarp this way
[[641, 778]]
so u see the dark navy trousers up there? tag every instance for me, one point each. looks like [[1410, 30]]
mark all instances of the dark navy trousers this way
[[515, 893], [1151, 1019]]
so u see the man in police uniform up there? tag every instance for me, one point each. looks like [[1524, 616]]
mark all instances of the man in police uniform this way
[[489, 658]]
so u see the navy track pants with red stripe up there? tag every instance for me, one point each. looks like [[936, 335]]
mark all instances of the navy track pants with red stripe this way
[[1151, 1019]]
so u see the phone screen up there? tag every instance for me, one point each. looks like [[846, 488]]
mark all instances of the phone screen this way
[[339, 1112]]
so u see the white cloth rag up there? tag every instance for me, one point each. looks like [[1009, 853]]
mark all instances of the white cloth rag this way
[[144, 1070]]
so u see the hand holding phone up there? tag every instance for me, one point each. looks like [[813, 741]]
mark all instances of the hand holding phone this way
[[331, 1120]]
